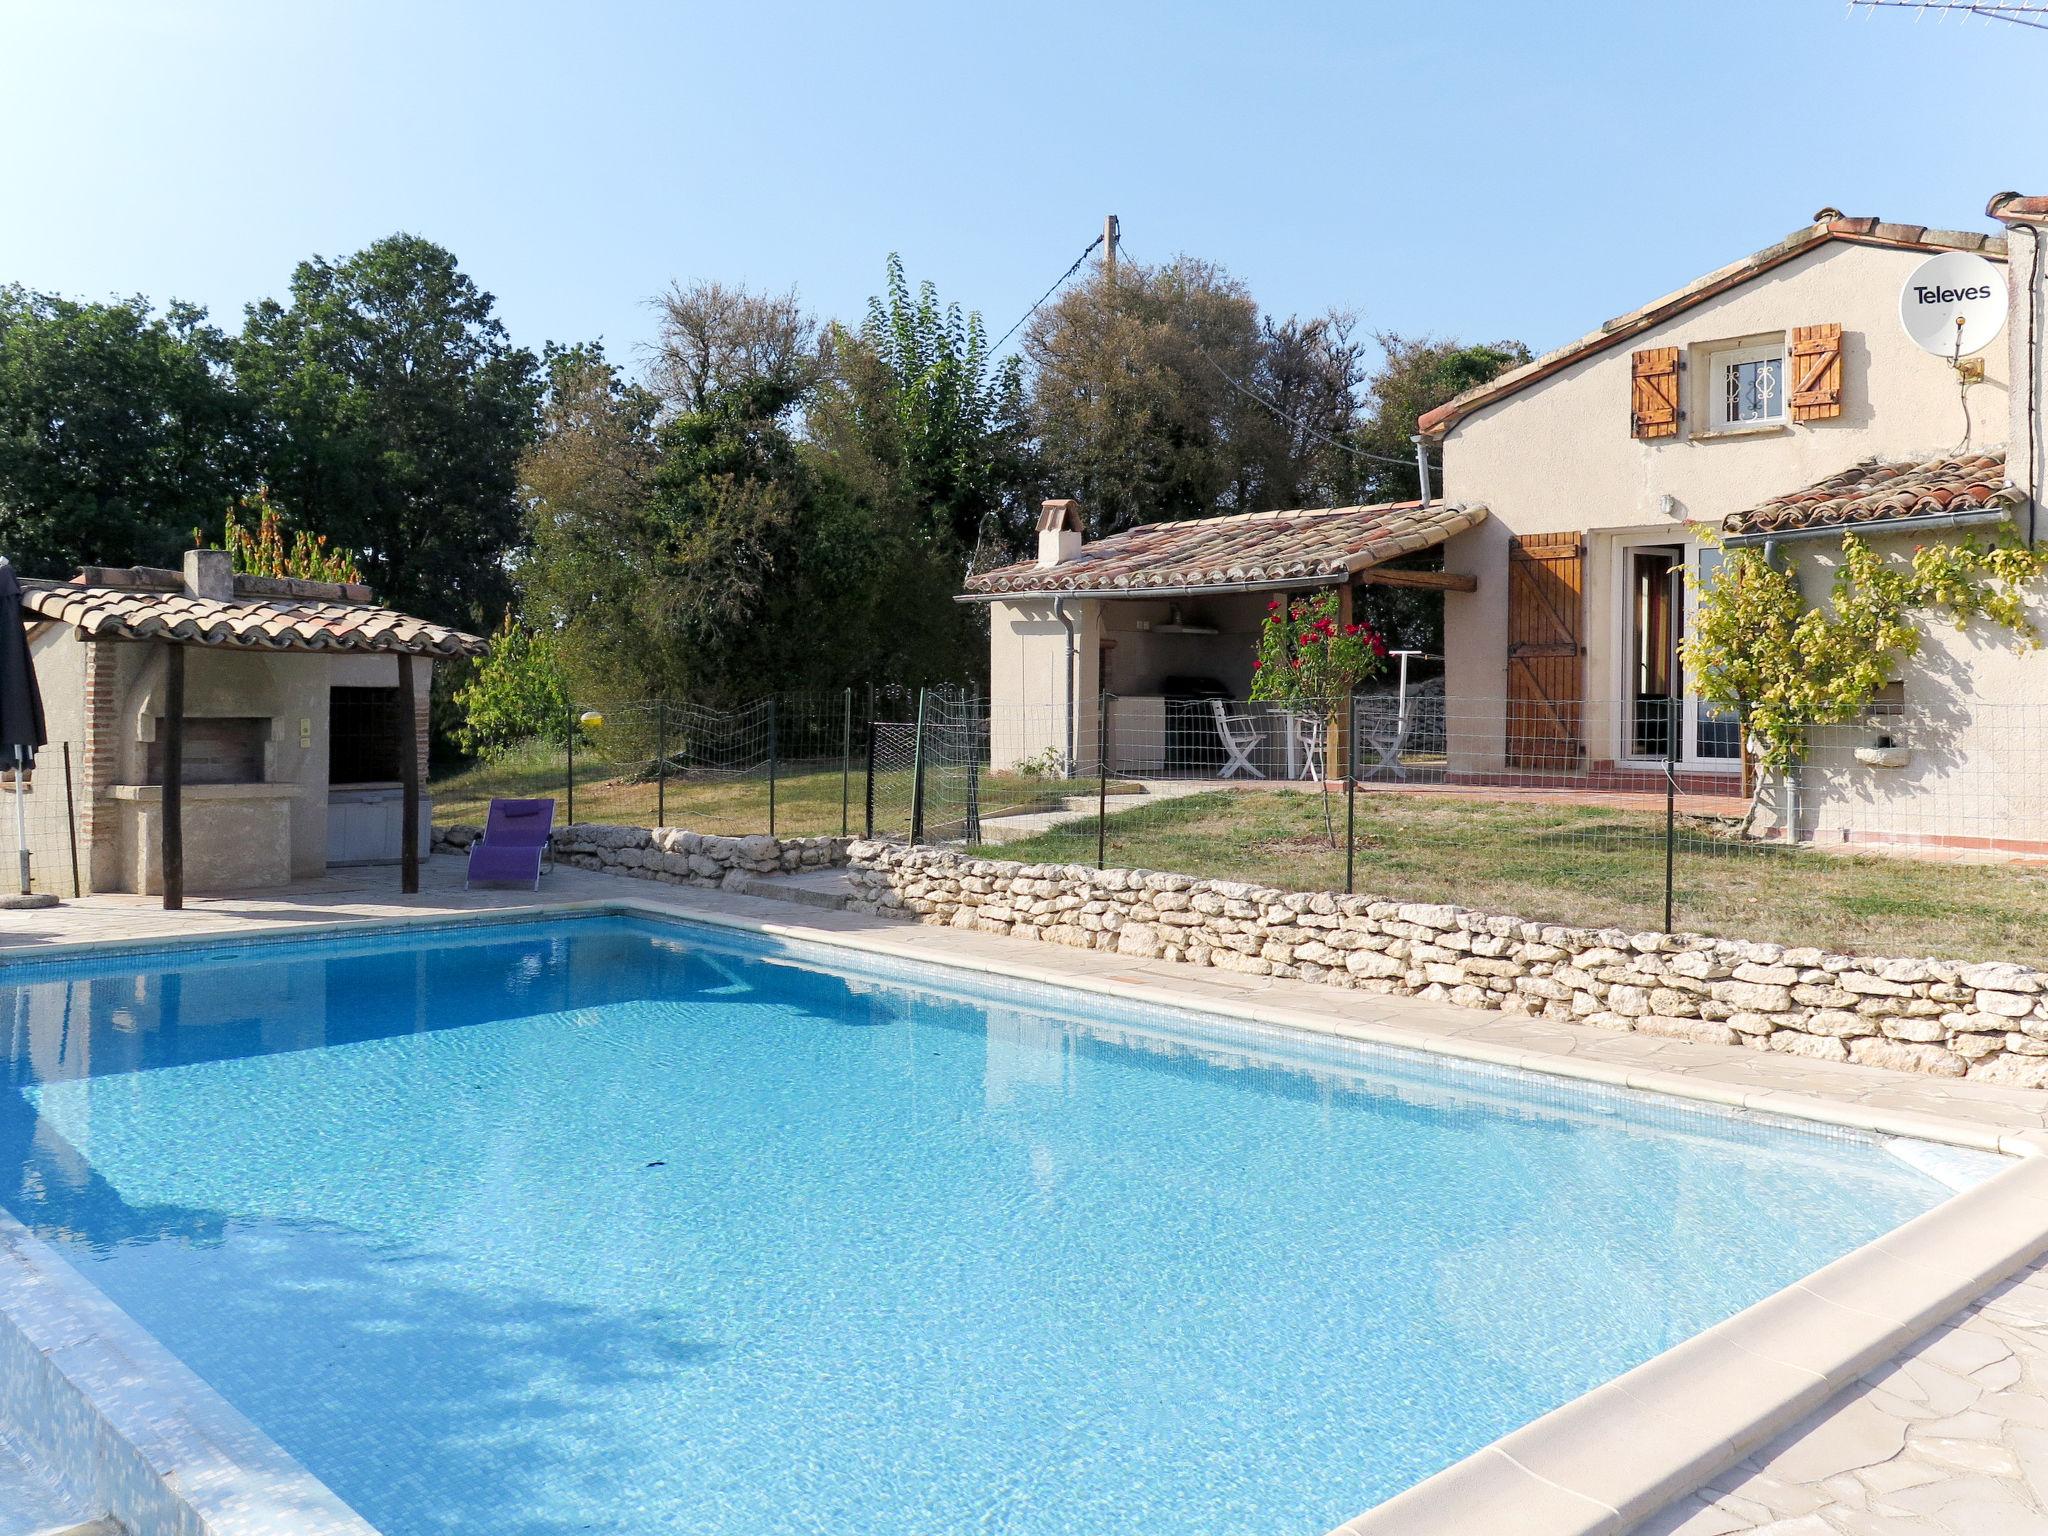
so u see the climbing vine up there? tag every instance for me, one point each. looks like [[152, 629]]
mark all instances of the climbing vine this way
[[1757, 646]]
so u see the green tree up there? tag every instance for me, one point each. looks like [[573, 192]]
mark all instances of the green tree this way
[[1293, 442], [397, 409], [120, 430], [1417, 374], [1136, 400], [915, 391], [516, 693], [714, 337]]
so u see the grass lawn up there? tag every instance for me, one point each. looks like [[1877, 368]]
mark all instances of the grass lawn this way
[[807, 795], [1581, 865]]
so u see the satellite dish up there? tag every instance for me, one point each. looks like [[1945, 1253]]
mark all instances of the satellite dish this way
[[1953, 304]]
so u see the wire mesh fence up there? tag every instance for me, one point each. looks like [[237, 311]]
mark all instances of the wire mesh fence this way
[[44, 804], [1907, 830]]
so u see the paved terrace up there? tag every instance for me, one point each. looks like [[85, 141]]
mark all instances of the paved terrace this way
[[1950, 1438]]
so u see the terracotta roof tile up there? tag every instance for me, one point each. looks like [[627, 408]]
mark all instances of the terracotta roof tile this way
[[1885, 491], [1310, 546], [141, 609]]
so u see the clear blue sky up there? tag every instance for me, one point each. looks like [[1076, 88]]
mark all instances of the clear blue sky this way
[[1482, 170]]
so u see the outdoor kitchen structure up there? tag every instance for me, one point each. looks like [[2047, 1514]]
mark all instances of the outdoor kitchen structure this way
[[237, 731]]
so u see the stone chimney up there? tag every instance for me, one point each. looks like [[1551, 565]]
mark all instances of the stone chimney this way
[[209, 573], [1059, 532], [2026, 336]]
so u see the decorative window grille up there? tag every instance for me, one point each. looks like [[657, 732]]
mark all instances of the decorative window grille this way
[[1746, 386]]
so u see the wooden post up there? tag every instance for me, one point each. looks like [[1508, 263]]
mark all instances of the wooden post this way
[[173, 828], [409, 776]]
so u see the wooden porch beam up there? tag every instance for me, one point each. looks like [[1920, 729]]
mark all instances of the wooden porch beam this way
[[1434, 581]]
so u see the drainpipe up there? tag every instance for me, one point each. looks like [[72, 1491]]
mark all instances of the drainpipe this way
[[1059, 611], [1421, 463]]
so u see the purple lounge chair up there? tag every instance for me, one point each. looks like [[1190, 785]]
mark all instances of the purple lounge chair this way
[[518, 835]]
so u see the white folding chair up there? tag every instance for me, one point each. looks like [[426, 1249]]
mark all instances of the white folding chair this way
[[1308, 736], [1240, 739], [1384, 725]]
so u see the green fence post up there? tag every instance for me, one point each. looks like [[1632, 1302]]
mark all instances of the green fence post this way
[[1102, 782], [1351, 796], [917, 774], [773, 753], [661, 763], [846, 765], [569, 813]]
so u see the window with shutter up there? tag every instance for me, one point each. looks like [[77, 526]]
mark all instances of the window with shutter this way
[[1653, 394], [1816, 372]]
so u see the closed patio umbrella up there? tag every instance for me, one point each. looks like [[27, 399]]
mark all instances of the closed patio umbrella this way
[[21, 705]]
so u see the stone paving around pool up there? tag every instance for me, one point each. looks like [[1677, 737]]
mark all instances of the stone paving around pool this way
[[1950, 1439]]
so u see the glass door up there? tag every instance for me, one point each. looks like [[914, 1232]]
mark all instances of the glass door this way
[[1713, 732], [1654, 682]]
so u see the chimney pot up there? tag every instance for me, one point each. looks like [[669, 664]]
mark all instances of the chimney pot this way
[[210, 573], [1059, 532]]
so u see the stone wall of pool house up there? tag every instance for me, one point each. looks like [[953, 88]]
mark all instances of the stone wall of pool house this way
[[673, 855], [1947, 1018]]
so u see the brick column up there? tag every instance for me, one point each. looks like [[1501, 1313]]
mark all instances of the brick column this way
[[98, 829]]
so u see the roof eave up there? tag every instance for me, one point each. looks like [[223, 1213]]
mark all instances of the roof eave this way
[[2000, 511], [1863, 231]]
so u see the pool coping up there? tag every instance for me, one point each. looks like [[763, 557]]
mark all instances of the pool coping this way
[[1595, 1466]]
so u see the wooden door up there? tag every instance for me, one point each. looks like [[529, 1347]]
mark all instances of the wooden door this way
[[1546, 651]]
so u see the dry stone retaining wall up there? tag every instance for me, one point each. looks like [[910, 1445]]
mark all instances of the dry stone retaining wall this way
[[673, 855], [1988, 1021]]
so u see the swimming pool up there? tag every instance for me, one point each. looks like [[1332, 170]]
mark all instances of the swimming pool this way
[[618, 1225]]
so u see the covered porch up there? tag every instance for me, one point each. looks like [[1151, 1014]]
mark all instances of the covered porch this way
[[1141, 646]]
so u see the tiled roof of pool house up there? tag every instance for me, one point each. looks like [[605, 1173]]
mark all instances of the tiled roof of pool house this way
[[1309, 546], [255, 613]]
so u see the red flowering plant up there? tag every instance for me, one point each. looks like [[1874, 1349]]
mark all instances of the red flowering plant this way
[[1309, 660]]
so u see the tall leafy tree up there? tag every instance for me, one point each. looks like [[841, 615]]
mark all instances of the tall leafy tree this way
[[1294, 443], [120, 431], [1418, 374], [1136, 400], [714, 337], [916, 392], [586, 483], [397, 409]]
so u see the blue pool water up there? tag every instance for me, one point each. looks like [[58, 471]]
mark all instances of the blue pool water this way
[[610, 1226]]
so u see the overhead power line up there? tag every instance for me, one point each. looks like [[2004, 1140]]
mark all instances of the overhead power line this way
[[1055, 288], [1295, 422]]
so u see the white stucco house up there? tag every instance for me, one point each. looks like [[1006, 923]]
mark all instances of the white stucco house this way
[[1778, 400]]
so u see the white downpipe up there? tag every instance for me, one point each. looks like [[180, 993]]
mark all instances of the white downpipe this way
[[1059, 611]]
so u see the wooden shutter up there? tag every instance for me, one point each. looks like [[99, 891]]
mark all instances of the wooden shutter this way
[[1816, 372], [1546, 657], [1653, 392]]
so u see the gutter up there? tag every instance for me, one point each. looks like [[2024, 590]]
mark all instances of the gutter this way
[[1976, 517]]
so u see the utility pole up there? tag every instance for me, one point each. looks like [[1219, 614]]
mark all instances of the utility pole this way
[[1109, 234]]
